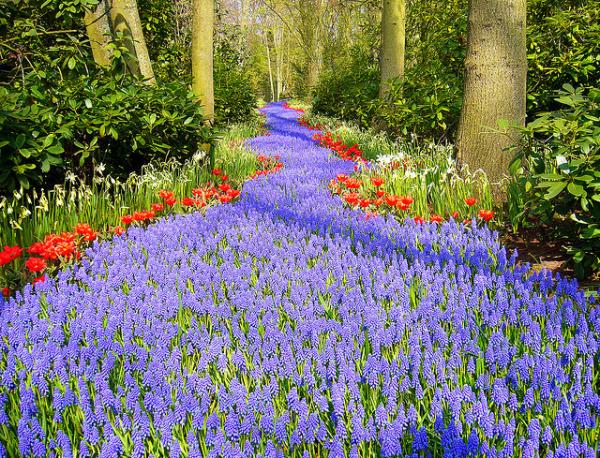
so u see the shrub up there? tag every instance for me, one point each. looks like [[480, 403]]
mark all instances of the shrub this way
[[60, 113], [235, 98], [426, 103], [46, 131], [348, 91], [557, 175]]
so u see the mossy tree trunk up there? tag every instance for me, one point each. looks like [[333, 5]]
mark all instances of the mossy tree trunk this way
[[393, 24], [97, 25], [126, 21], [495, 84], [202, 55]]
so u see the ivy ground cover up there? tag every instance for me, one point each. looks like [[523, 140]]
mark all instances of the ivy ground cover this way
[[289, 325]]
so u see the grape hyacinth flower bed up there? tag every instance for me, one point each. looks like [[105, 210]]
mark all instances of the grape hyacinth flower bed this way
[[286, 324]]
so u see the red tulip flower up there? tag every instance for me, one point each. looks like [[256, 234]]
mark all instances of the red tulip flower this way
[[40, 279], [486, 215], [436, 219], [157, 208], [127, 219], [377, 182], [35, 264], [118, 230], [170, 201], [187, 201], [6, 292], [470, 201], [217, 172], [166, 195], [406, 200], [380, 192], [419, 220]]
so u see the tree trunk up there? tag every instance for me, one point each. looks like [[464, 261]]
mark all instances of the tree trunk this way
[[126, 20], [98, 30], [495, 84], [393, 42], [267, 46], [202, 55]]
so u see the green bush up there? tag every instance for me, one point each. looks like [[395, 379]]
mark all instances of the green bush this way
[[60, 113], [557, 175], [426, 104], [348, 92], [235, 98], [563, 48]]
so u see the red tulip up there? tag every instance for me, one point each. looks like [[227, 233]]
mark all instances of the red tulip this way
[[470, 201], [127, 219], [377, 181], [6, 292], [486, 215], [217, 172], [419, 220], [35, 264], [166, 195], [407, 200]]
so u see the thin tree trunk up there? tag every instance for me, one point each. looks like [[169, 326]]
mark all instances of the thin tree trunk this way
[[393, 42], [202, 55], [97, 25], [495, 84], [126, 20], [270, 69]]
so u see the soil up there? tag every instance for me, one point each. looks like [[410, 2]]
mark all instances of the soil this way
[[542, 251]]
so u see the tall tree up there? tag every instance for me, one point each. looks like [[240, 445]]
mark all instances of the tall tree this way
[[98, 30], [495, 84], [202, 55], [393, 23], [126, 21]]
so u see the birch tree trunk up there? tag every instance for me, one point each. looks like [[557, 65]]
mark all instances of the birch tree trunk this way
[[125, 19], [202, 55], [393, 25], [97, 25], [495, 84]]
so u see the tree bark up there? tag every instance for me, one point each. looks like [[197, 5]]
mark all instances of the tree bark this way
[[495, 84], [202, 55], [98, 30], [393, 39], [126, 20]]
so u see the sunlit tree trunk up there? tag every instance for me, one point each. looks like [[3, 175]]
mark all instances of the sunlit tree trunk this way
[[126, 21], [97, 25], [202, 54], [270, 65], [495, 84], [393, 24]]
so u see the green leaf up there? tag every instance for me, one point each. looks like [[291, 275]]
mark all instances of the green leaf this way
[[575, 189], [555, 190]]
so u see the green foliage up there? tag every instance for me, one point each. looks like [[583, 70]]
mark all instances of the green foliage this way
[[235, 99], [426, 104], [348, 91], [557, 175], [564, 48], [60, 113]]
